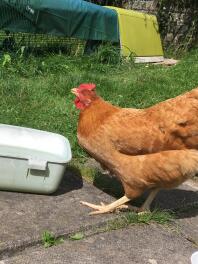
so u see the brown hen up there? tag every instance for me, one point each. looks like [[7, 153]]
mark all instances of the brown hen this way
[[147, 149]]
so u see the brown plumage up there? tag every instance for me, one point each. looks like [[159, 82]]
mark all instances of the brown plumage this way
[[150, 148]]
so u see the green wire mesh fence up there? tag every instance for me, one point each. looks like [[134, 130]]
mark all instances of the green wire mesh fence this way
[[40, 43], [12, 40]]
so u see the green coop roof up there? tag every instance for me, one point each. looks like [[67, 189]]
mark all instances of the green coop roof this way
[[70, 18]]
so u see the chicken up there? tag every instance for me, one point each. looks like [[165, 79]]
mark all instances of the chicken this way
[[147, 149]]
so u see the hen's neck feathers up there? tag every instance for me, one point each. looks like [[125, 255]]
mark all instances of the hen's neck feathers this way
[[94, 116]]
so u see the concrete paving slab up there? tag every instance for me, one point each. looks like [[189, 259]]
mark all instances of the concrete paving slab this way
[[188, 224], [139, 244], [183, 200], [185, 195], [24, 217]]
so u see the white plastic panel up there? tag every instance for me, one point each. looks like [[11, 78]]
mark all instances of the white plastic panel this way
[[32, 144]]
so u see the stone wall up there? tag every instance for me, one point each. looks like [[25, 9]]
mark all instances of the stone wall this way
[[178, 20], [143, 6], [178, 25]]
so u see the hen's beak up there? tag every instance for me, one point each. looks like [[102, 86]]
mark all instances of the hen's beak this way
[[74, 91]]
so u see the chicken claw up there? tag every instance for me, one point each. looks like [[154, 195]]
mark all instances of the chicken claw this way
[[145, 208], [102, 209], [93, 206], [140, 212], [120, 204]]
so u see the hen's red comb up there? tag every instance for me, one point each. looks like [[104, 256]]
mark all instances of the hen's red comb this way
[[87, 86]]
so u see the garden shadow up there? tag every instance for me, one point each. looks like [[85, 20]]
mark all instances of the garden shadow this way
[[72, 180], [184, 203]]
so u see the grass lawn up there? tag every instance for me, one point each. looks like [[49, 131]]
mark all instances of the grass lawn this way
[[35, 92]]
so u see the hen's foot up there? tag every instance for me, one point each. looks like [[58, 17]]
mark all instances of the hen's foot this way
[[102, 209], [142, 211], [145, 208]]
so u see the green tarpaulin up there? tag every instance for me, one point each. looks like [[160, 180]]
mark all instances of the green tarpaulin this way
[[70, 18]]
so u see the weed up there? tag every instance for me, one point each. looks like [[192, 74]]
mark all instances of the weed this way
[[49, 240], [160, 217], [77, 236], [6, 59], [107, 54]]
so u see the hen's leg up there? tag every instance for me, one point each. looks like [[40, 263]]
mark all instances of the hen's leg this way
[[101, 209], [146, 205], [120, 203]]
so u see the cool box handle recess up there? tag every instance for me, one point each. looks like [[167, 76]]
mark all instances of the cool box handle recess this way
[[36, 164]]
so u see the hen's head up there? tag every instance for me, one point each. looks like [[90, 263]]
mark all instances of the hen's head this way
[[85, 94]]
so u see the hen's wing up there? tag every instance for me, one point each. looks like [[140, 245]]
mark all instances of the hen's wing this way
[[131, 133], [166, 169], [172, 124]]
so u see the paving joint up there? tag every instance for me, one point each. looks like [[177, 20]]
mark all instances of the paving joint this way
[[9, 251]]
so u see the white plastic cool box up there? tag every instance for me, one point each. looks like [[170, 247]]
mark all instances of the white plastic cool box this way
[[32, 160]]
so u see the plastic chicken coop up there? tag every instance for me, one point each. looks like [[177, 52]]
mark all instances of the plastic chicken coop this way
[[49, 23]]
